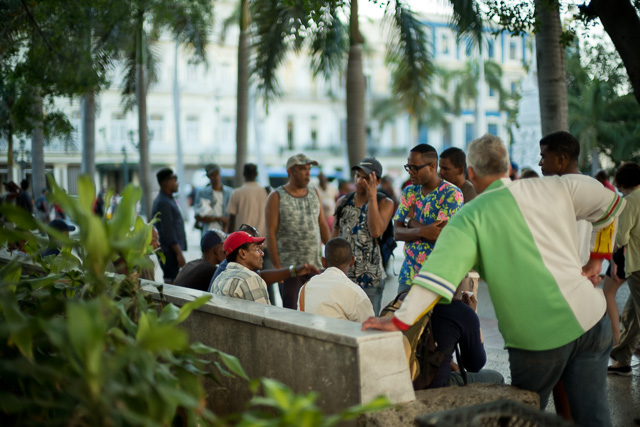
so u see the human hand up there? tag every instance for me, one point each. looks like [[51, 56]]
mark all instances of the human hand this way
[[303, 269], [591, 270], [470, 299], [379, 323], [372, 185], [432, 231]]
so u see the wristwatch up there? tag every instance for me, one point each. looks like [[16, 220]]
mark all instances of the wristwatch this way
[[406, 221]]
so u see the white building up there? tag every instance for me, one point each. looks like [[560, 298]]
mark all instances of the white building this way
[[310, 116]]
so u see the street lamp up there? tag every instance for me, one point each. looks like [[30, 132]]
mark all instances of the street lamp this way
[[22, 157]]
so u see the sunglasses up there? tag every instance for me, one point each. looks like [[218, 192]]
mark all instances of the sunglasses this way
[[415, 168], [251, 228]]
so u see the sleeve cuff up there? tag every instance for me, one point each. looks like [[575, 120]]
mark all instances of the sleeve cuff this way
[[403, 326], [596, 255]]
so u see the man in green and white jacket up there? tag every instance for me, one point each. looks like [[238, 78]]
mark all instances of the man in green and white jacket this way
[[521, 237]]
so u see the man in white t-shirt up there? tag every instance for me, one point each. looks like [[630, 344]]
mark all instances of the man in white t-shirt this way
[[332, 293]]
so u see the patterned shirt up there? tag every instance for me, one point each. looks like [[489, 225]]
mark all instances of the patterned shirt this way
[[353, 226], [438, 205], [298, 235], [237, 281]]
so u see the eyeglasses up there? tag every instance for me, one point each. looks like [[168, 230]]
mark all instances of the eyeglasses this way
[[415, 168], [251, 228]]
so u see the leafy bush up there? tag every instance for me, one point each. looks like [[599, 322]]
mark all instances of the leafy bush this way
[[81, 347]]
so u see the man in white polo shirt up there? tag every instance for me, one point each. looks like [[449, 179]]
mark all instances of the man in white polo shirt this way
[[521, 237]]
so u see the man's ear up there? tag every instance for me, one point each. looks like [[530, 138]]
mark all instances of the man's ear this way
[[353, 261], [472, 174], [324, 262]]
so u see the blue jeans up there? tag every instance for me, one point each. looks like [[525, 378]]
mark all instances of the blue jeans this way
[[486, 376], [375, 296], [582, 367]]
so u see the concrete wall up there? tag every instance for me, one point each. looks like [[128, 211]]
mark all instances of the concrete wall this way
[[334, 358]]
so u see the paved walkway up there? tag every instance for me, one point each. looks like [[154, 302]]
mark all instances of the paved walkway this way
[[624, 392]]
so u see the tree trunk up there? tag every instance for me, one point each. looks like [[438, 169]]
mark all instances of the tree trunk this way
[[88, 131], [182, 195], [242, 109], [37, 150], [620, 20], [143, 134], [356, 133], [552, 78]]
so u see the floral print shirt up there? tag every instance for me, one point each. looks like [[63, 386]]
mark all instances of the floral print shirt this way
[[438, 205]]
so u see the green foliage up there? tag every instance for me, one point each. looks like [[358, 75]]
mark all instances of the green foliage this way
[[82, 348], [601, 115], [281, 407], [78, 347]]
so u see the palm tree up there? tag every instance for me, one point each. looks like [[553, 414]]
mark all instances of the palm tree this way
[[189, 23], [281, 27]]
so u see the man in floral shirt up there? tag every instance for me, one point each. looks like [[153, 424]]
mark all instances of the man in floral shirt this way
[[425, 207]]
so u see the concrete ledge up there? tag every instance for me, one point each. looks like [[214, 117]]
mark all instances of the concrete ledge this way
[[331, 357], [442, 399]]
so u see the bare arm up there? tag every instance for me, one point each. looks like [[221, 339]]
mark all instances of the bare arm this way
[[273, 218], [416, 230], [379, 216], [325, 233], [231, 224], [278, 275], [336, 229]]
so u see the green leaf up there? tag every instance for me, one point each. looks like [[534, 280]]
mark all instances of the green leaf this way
[[10, 273], [233, 364], [186, 309], [169, 314], [86, 194]]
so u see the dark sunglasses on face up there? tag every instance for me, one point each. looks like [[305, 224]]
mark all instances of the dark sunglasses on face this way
[[415, 168], [250, 227]]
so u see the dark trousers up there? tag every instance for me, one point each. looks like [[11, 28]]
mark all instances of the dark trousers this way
[[289, 290], [170, 267]]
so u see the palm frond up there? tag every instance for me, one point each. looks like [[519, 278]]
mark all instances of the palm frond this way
[[230, 21], [330, 42], [409, 56], [467, 19], [276, 28]]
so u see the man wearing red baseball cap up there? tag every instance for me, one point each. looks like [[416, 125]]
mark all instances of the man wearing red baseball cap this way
[[240, 280]]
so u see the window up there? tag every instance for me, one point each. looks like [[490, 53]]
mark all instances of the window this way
[[513, 52], [468, 133], [192, 132], [468, 50], [491, 51], [192, 73], [514, 88], [156, 128], [314, 132], [492, 92], [444, 44], [227, 131], [446, 136], [290, 129], [118, 129], [493, 129]]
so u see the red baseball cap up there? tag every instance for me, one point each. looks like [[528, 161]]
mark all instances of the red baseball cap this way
[[237, 239]]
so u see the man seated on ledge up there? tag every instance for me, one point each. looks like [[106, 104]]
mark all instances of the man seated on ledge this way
[[272, 275], [240, 280], [332, 293], [197, 274]]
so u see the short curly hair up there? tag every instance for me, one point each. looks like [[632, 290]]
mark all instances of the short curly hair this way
[[628, 175]]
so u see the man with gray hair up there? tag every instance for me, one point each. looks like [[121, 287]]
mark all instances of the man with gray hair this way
[[521, 237]]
